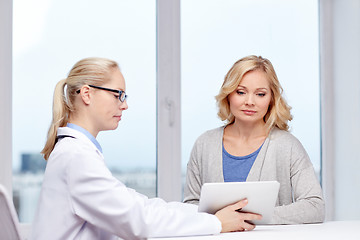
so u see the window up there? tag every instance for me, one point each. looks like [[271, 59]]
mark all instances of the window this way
[[48, 38], [215, 34]]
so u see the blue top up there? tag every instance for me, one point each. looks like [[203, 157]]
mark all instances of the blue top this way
[[91, 137], [236, 169]]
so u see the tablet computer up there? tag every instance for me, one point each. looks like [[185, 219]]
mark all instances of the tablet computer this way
[[261, 197]]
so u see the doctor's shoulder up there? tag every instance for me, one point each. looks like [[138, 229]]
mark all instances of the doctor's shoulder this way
[[73, 148]]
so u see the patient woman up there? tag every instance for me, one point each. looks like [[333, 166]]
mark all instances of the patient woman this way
[[255, 145], [80, 199]]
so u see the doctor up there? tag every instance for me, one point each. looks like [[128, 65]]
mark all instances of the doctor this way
[[80, 199]]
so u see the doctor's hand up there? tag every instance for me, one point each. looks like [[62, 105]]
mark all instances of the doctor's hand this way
[[232, 220]]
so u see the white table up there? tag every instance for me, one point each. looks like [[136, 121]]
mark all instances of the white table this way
[[337, 230]]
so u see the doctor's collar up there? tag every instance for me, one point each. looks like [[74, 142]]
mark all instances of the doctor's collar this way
[[89, 135]]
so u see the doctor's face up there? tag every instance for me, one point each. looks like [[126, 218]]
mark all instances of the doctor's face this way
[[107, 106]]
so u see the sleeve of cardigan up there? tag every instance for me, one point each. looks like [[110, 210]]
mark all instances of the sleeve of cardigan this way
[[193, 183], [308, 205]]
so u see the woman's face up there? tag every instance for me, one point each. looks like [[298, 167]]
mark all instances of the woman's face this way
[[106, 107], [250, 101]]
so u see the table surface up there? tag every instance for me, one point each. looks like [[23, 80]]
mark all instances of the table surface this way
[[333, 230]]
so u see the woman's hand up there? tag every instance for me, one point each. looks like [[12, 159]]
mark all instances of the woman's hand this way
[[232, 220]]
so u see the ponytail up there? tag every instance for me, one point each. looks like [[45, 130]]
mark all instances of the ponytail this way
[[95, 71], [60, 117]]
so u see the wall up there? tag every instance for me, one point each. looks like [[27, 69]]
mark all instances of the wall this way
[[340, 96], [347, 108]]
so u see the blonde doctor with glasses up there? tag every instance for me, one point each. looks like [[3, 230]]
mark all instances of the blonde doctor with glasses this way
[[80, 199]]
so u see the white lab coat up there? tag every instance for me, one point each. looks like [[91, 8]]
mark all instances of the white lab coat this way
[[80, 199]]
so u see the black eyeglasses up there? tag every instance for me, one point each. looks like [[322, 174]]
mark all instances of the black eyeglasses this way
[[122, 94]]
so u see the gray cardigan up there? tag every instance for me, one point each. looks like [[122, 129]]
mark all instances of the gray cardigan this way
[[281, 158]]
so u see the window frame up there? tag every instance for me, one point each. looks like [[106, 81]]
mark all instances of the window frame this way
[[168, 100], [6, 13], [327, 126]]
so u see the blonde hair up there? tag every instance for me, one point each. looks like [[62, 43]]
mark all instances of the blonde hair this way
[[88, 71], [278, 113]]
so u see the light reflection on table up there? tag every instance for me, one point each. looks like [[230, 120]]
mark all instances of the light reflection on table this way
[[334, 230]]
